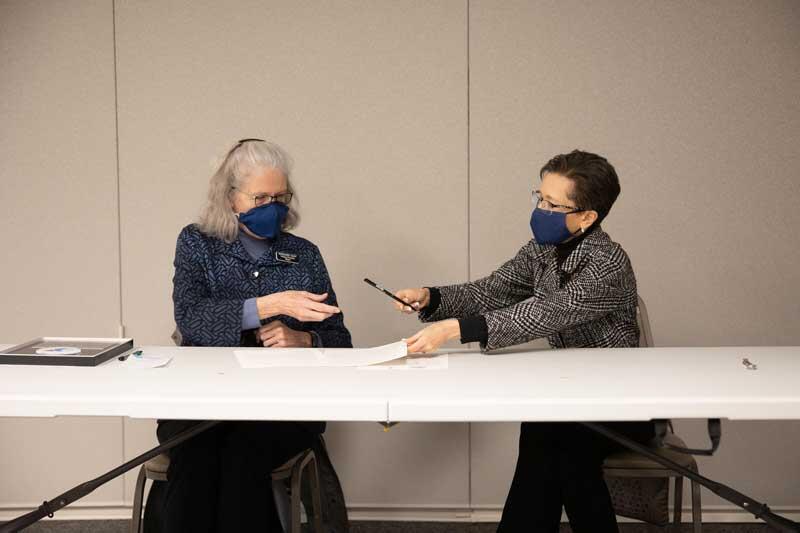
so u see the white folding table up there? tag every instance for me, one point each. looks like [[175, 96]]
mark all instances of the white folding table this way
[[586, 385], [511, 385]]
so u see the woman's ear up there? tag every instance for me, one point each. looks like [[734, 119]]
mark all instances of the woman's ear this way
[[588, 218]]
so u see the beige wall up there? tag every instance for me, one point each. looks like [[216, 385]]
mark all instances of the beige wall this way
[[370, 98], [391, 108], [59, 236], [696, 105]]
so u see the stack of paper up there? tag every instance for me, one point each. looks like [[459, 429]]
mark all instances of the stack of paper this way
[[319, 357]]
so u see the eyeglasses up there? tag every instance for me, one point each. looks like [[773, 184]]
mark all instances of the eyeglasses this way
[[263, 198], [536, 197]]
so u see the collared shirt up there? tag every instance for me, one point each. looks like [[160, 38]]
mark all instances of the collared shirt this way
[[588, 300]]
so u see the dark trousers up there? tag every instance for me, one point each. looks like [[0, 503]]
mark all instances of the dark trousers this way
[[560, 465], [220, 480]]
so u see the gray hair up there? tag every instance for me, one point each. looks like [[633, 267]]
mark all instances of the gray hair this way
[[217, 219]]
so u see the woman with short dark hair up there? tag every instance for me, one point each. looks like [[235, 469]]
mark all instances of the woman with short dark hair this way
[[573, 285]]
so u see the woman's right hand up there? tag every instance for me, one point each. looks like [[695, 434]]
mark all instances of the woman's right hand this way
[[417, 299], [302, 305]]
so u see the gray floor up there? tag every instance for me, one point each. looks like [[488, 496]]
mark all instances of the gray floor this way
[[122, 526]]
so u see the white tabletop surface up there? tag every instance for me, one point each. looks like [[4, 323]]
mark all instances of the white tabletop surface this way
[[590, 384]]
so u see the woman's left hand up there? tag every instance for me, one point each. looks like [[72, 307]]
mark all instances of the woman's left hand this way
[[429, 339], [276, 334]]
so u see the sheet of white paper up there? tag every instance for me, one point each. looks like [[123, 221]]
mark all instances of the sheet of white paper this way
[[148, 361], [319, 357], [436, 362]]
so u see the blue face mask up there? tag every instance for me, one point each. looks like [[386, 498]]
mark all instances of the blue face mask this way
[[265, 220], [549, 227]]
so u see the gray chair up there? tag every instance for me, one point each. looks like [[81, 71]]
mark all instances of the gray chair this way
[[288, 488], [287, 480], [288, 502], [639, 487]]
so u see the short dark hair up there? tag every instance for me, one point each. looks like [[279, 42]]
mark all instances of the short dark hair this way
[[595, 182]]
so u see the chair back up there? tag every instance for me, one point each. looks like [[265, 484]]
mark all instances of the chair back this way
[[176, 337], [645, 333]]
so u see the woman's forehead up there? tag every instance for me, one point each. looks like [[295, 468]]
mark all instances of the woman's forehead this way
[[556, 186], [263, 178]]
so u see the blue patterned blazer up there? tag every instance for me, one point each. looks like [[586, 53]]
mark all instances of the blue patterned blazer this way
[[213, 278]]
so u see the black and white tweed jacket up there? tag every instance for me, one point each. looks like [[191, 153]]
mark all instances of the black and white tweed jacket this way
[[589, 301]]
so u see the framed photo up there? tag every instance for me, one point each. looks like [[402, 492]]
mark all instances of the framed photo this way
[[65, 351]]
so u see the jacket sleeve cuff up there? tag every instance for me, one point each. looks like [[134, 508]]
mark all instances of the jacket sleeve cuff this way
[[434, 302], [250, 319], [474, 329]]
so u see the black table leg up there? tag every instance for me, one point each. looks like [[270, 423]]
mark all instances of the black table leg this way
[[759, 510], [75, 493]]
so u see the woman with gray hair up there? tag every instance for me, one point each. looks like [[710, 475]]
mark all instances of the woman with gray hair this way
[[242, 280]]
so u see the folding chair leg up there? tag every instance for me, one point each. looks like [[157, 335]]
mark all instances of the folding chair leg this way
[[315, 495], [297, 478], [138, 497], [678, 503], [697, 512]]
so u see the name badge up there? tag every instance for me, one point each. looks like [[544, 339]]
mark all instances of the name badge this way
[[286, 257]]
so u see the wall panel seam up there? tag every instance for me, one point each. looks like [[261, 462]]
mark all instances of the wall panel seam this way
[[121, 331], [469, 232]]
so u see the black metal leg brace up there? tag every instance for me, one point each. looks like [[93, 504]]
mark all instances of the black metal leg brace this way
[[75, 493], [759, 510]]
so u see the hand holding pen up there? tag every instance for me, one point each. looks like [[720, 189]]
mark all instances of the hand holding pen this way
[[415, 299], [406, 300], [430, 338]]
